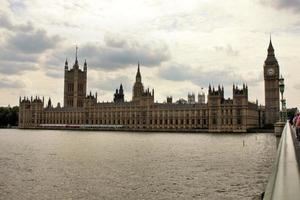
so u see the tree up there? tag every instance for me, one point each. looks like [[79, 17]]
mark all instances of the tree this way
[[9, 116]]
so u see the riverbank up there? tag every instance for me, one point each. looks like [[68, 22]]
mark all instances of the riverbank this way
[[123, 129]]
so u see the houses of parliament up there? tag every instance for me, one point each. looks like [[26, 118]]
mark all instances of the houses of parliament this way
[[142, 113]]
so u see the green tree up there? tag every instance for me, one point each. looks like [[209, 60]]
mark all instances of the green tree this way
[[9, 116]]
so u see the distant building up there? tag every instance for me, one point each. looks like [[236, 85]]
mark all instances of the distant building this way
[[191, 98], [142, 113], [201, 97], [181, 101]]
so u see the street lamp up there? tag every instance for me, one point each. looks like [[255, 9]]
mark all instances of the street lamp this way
[[283, 102], [278, 126], [281, 86]]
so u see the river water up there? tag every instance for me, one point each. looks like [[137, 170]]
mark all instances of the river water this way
[[44, 164]]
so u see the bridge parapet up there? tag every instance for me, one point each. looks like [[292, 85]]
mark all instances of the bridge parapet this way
[[284, 182]]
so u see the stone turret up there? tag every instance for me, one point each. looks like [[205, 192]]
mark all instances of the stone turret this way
[[214, 101], [240, 103], [119, 95]]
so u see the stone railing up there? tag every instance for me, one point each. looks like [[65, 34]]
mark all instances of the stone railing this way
[[284, 182]]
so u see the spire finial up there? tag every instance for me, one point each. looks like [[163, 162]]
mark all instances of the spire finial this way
[[138, 74], [66, 64], [76, 52], [270, 48]]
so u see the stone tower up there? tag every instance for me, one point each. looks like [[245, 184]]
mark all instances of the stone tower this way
[[214, 102], [271, 77], [75, 84], [138, 87], [240, 103]]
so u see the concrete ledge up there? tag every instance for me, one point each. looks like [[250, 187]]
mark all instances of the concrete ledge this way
[[284, 182], [278, 128]]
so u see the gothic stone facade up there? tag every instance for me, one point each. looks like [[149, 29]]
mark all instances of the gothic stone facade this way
[[271, 77], [142, 113]]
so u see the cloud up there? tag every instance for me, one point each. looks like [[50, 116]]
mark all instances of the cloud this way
[[228, 50], [6, 23], [227, 76], [16, 5], [33, 42], [15, 67], [55, 74], [8, 83], [283, 4], [23, 46], [115, 53], [110, 83], [9, 55]]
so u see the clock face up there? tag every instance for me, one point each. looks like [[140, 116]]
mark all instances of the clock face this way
[[270, 72]]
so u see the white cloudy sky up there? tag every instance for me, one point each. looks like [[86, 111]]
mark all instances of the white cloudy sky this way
[[182, 45]]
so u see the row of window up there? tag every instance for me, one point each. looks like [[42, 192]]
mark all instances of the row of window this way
[[227, 121], [159, 112], [127, 122]]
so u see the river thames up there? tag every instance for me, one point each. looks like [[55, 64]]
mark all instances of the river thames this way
[[44, 164]]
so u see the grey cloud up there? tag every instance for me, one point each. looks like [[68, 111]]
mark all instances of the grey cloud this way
[[6, 23], [54, 74], [177, 72], [110, 83], [6, 83], [21, 51], [15, 67], [35, 42], [23, 46], [283, 4], [16, 5], [118, 53], [114, 42], [8, 55], [228, 50], [114, 54]]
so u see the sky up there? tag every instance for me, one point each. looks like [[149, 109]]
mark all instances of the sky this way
[[183, 46]]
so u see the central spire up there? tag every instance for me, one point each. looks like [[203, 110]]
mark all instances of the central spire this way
[[270, 48], [76, 53], [76, 65], [138, 74]]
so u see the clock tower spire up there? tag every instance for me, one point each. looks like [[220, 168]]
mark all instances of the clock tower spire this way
[[271, 77]]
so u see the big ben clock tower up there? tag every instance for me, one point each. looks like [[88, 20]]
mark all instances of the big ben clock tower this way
[[271, 76]]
